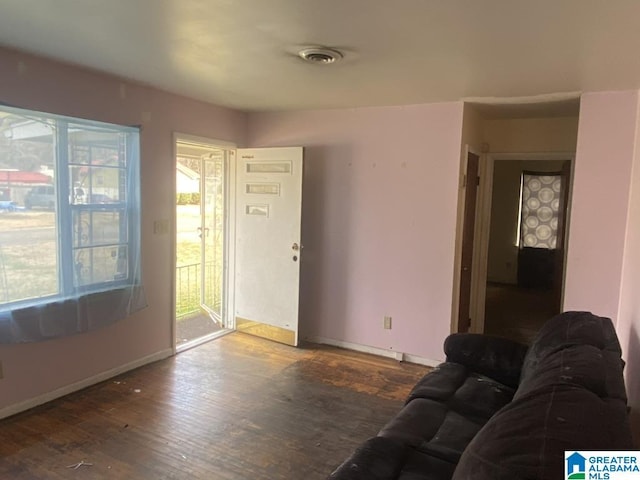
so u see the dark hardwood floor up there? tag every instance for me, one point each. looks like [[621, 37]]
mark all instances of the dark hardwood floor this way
[[517, 313], [193, 327], [235, 408]]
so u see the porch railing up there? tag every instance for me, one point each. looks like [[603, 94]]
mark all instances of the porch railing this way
[[188, 288], [188, 280]]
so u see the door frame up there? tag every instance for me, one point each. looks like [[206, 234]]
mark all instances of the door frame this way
[[457, 264], [483, 226], [471, 185], [229, 262]]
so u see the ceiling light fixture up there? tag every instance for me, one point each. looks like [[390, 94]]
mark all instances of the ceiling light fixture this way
[[322, 55]]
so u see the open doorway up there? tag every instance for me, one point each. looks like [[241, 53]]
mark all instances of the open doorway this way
[[537, 135], [201, 241], [525, 254]]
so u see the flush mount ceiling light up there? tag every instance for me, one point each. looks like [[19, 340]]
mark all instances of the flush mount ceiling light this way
[[320, 55]]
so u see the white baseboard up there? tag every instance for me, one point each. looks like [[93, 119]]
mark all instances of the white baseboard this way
[[400, 356], [87, 382]]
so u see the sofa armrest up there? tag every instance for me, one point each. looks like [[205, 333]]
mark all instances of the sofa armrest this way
[[497, 358]]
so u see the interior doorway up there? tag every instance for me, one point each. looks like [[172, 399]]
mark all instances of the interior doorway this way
[[525, 254], [201, 241]]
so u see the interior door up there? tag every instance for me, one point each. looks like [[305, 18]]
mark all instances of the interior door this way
[[471, 192], [268, 249]]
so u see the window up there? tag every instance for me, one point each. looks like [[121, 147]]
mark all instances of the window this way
[[73, 226], [539, 208]]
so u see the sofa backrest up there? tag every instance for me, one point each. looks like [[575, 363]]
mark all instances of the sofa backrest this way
[[567, 338], [497, 358]]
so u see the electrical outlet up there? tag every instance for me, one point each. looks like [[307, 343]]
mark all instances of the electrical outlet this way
[[387, 323]]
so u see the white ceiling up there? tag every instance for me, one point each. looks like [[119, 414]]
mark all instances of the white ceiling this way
[[242, 53]]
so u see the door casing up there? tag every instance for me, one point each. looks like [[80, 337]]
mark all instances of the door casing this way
[[228, 320]]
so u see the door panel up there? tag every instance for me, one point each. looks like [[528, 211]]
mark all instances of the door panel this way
[[471, 190], [268, 217]]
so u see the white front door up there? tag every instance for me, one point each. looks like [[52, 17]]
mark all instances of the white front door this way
[[268, 249]]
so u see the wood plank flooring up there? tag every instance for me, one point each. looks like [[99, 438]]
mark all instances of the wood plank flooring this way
[[237, 408], [517, 313]]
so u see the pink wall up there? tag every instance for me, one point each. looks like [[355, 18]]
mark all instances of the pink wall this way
[[379, 218], [26, 81], [604, 233], [600, 200], [380, 205], [628, 324]]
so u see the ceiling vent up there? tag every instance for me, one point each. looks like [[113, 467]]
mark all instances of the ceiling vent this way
[[320, 55]]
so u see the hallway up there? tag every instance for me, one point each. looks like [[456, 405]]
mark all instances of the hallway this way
[[515, 312]]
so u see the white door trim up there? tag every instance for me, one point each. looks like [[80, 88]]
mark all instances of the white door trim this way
[[223, 144], [230, 258]]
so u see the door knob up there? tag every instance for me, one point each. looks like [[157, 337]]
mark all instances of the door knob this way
[[296, 247]]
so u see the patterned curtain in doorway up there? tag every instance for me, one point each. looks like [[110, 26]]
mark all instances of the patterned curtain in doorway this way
[[539, 210]]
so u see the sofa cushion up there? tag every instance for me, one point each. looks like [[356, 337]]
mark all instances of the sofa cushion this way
[[422, 466], [417, 422], [495, 357], [479, 397], [432, 428], [464, 391], [451, 439], [445, 411], [440, 383]]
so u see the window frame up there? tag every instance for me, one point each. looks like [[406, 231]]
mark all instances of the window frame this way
[[520, 243], [66, 209]]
